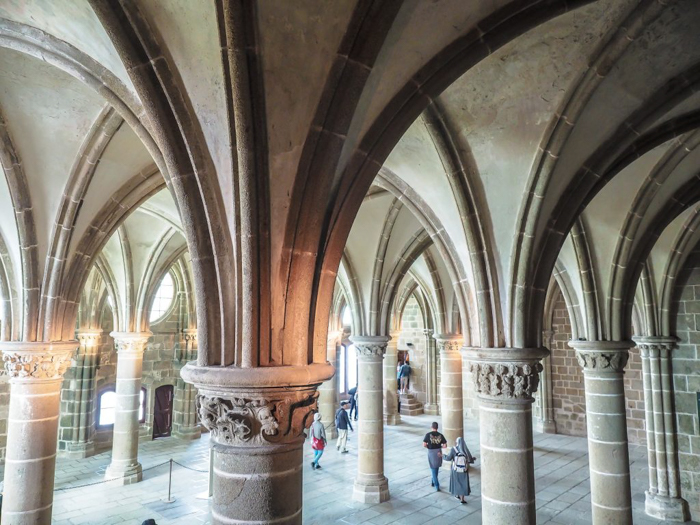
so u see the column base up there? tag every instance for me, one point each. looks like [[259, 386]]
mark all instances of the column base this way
[[371, 490], [78, 450], [666, 508], [188, 433], [392, 419], [124, 475], [546, 426], [431, 409]]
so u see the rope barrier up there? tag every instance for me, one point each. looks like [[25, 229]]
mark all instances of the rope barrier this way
[[170, 461]]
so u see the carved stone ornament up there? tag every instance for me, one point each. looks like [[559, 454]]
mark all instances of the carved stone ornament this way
[[254, 421], [506, 380], [596, 361], [130, 342], [89, 339], [449, 345], [34, 365], [370, 349]]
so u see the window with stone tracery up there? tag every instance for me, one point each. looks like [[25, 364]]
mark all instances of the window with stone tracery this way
[[163, 300]]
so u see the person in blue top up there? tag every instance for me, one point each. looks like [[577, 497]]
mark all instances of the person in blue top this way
[[404, 374], [342, 423]]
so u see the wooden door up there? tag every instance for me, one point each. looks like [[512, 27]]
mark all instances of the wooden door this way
[[163, 412]]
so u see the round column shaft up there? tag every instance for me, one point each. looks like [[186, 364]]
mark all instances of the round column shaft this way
[[391, 384], [125, 467], [606, 420], [431, 402], [451, 403], [328, 396], [36, 372], [257, 418], [505, 379], [370, 484]]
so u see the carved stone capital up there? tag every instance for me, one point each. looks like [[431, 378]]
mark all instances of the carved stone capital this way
[[602, 356], [38, 361], [505, 373], [449, 342], [130, 342], [655, 346], [190, 335], [257, 418], [370, 347], [256, 406], [89, 338]]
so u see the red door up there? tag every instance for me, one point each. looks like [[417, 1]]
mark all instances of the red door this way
[[163, 412]]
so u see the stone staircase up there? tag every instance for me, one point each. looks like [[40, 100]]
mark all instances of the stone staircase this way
[[410, 406]]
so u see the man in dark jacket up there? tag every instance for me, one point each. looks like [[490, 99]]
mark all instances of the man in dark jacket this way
[[353, 401], [342, 422]]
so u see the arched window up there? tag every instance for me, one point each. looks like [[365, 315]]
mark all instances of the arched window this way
[[107, 404], [163, 299]]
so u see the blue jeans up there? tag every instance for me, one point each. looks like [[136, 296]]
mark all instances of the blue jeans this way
[[434, 472], [317, 456]]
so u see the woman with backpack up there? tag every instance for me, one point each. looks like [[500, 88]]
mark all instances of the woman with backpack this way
[[459, 476], [318, 440]]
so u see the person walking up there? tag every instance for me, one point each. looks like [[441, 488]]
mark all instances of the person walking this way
[[404, 374], [434, 442], [461, 458], [353, 401], [342, 422], [318, 440]]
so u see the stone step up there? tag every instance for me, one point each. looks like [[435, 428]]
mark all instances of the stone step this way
[[410, 405]]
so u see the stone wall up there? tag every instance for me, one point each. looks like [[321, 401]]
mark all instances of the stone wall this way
[[4, 413], [568, 391], [568, 394], [412, 331], [686, 378]]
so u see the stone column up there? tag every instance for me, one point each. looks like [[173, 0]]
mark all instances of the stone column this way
[[391, 384], [76, 424], [370, 484], [257, 418], [431, 399], [35, 371], [606, 420], [663, 499], [328, 396], [185, 420], [544, 421], [125, 467], [451, 406], [505, 379]]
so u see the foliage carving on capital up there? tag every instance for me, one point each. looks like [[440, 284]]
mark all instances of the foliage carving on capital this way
[[506, 380], [449, 345], [370, 349], [250, 421], [130, 346], [34, 365], [600, 361]]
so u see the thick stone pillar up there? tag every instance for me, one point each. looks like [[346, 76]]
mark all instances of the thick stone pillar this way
[[505, 379], [544, 421], [36, 372], [370, 484], [603, 363], [451, 405], [185, 420], [391, 384], [663, 499], [125, 467], [431, 365], [328, 396], [257, 418], [76, 425]]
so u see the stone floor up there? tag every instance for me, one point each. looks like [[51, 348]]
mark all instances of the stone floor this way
[[561, 471]]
